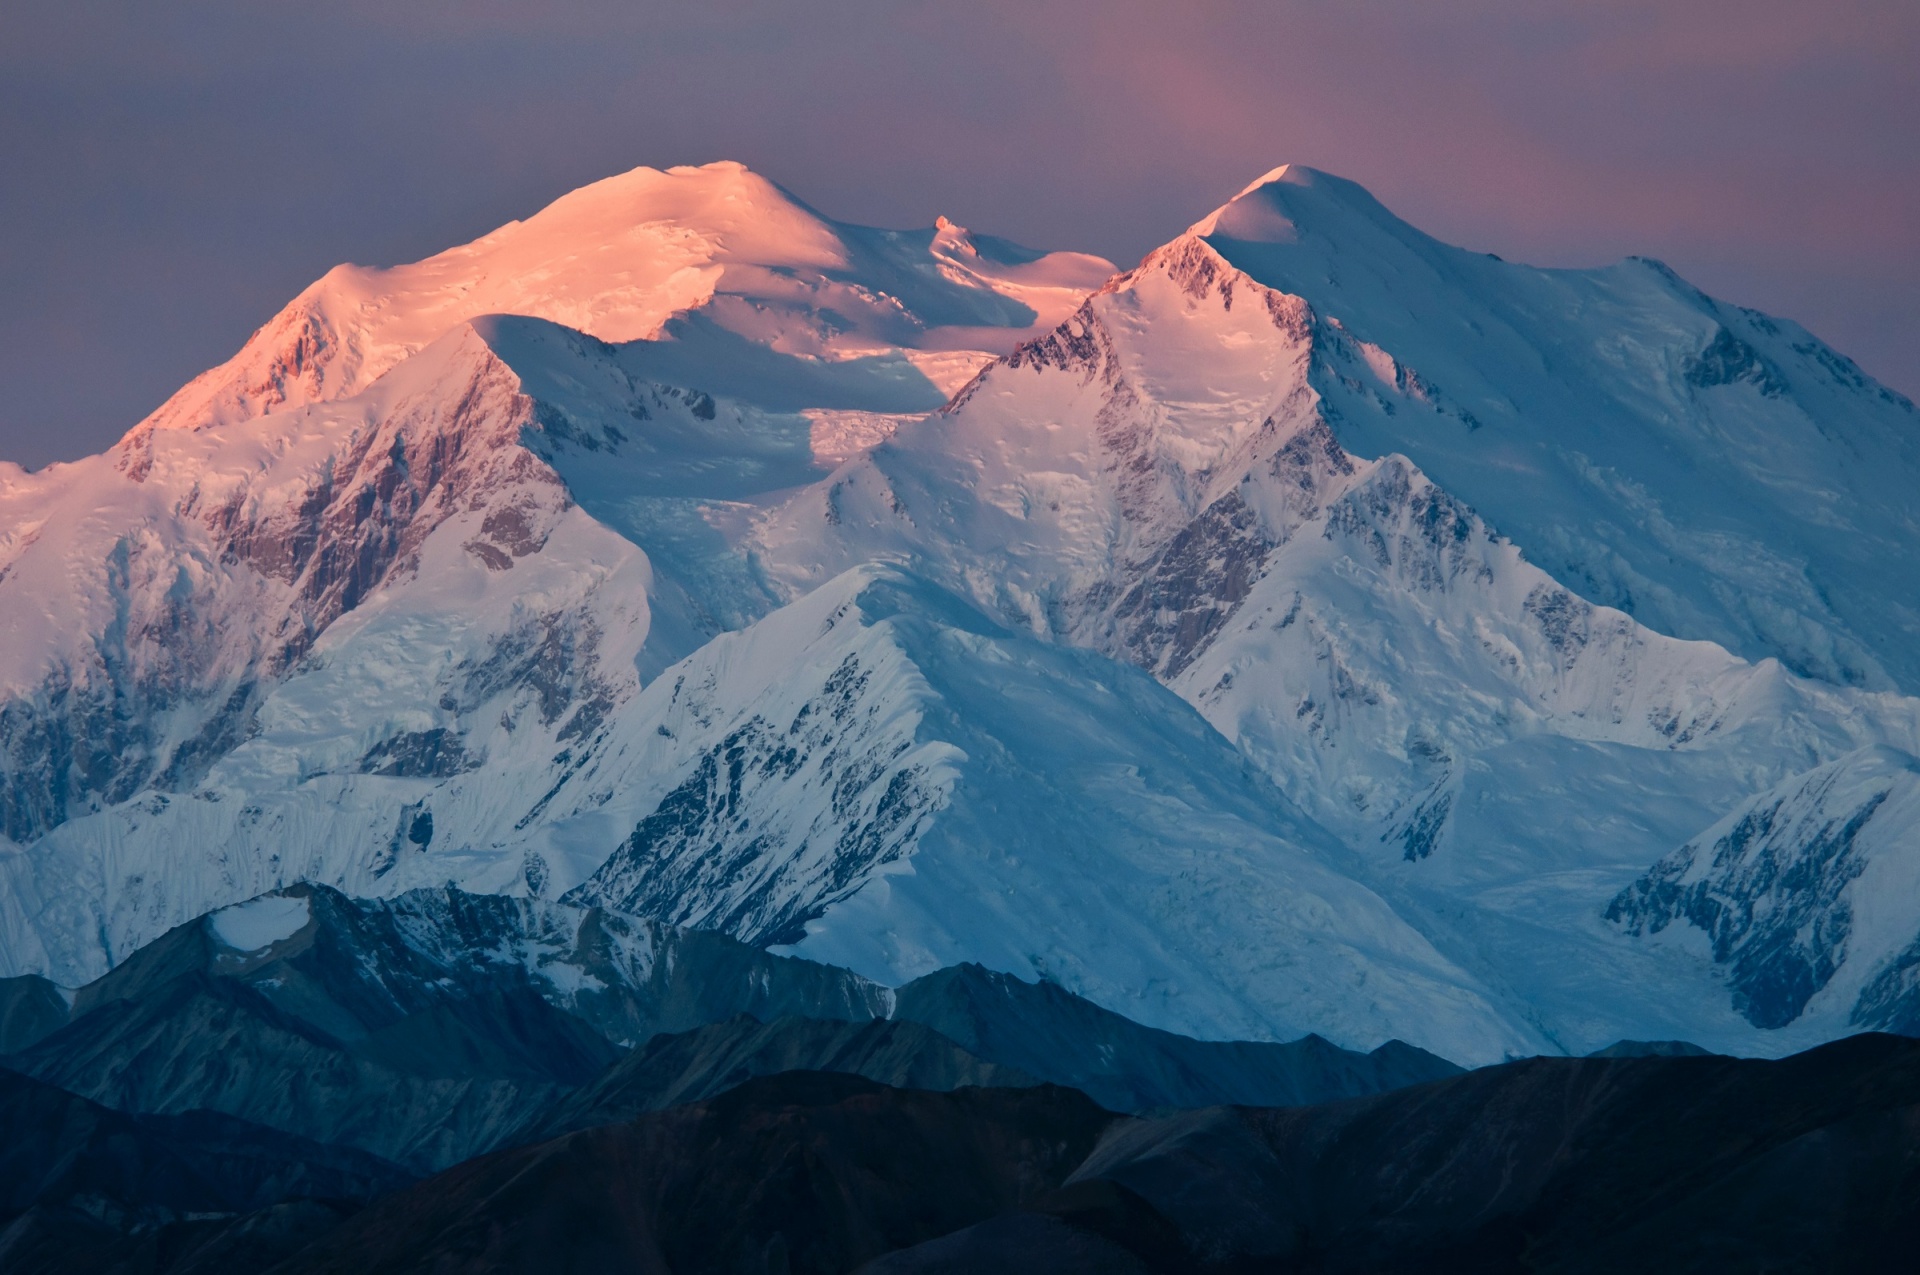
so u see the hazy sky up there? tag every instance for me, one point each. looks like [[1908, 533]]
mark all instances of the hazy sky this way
[[170, 174]]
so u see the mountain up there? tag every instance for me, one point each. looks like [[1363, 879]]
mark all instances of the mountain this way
[[30, 1008], [672, 1070], [440, 1025], [83, 1187], [1173, 478], [1066, 1040], [363, 487], [1314, 630], [1555, 1164], [424, 1029], [881, 777], [800, 1172], [1717, 473], [1550, 1164], [965, 1026], [1801, 891]]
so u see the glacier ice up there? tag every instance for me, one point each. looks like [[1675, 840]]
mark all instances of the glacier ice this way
[[1316, 628]]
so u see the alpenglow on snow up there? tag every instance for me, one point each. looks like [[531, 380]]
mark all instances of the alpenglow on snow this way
[[1316, 628]]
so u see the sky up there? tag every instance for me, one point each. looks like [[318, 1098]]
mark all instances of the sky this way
[[170, 175]]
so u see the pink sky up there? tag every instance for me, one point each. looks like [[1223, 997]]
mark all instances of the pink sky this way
[[174, 176]]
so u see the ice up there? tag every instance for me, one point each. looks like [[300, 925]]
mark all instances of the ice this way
[[260, 923], [1312, 629]]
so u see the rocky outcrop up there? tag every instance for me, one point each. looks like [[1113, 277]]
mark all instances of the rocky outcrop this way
[[1776, 886]]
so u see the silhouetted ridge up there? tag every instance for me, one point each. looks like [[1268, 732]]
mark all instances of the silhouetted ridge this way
[[1048, 1032]]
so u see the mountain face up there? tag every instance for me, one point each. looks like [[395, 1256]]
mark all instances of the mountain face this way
[[799, 1172], [1549, 1164], [1800, 890], [1124, 1066], [881, 777], [1714, 472], [85, 1188], [190, 614], [439, 1025], [1316, 629], [696, 1066], [424, 1029], [1554, 1164]]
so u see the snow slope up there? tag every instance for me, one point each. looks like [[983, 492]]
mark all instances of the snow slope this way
[[622, 258], [1485, 588], [1163, 478], [346, 564], [1713, 471], [879, 777]]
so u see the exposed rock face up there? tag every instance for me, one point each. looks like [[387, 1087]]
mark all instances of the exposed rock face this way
[[1790, 891], [689, 863]]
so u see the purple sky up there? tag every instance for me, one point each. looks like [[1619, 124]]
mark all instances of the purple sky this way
[[171, 174]]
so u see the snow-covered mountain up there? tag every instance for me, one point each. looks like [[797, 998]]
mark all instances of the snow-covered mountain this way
[[1473, 592], [717, 251], [1715, 472], [382, 578]]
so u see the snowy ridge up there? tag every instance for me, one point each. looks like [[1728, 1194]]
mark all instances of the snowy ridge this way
[[880, 777], [622, 556], [1805, 894], [1713, 471], [619, 258], [1162, 478]]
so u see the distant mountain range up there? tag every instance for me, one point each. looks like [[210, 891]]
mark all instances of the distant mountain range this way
[[435, 1026], [1316, 629], [304, 1082]]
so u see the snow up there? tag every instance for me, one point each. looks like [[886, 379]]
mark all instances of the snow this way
[[260, 923], [1718, 473], [1314, 629], [620, 258], [1064, 816]]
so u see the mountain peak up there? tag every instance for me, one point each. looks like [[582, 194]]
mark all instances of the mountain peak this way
[[1294, 174], [1273, 207], [619, 258]]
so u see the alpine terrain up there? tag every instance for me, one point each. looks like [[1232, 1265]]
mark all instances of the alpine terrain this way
[[1314, 631]]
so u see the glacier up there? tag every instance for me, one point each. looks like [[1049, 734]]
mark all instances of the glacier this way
[[1316, 628]]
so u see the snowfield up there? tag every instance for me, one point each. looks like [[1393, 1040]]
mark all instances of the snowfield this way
[[1317, 628]]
